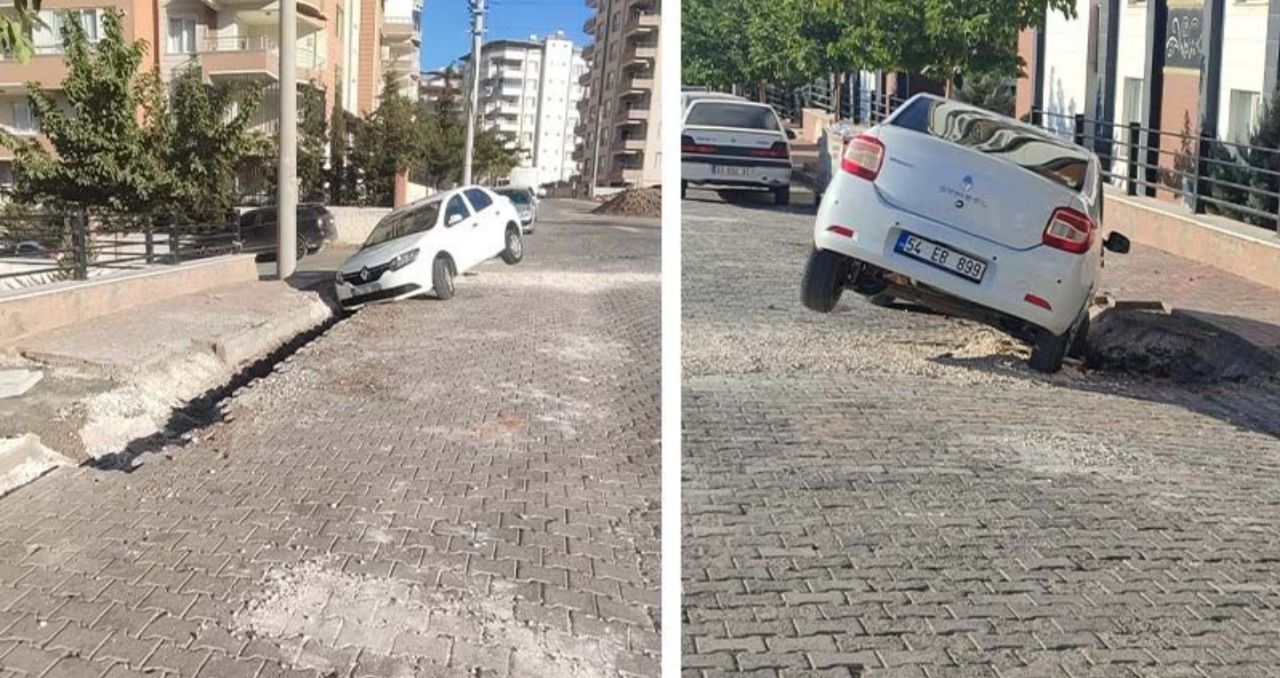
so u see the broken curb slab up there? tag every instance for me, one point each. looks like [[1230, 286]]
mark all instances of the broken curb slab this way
[[23, 459], [14, 383]]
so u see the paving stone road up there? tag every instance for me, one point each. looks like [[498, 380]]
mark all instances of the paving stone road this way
[[466, 488], [894, 491]]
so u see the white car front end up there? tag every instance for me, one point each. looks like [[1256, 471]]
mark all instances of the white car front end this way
[[388, 272]]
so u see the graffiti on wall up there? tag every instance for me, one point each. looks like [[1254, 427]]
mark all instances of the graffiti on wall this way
[[1183, 47]]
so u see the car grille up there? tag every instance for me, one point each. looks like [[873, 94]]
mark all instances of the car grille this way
[[374, 273], [380, 295]]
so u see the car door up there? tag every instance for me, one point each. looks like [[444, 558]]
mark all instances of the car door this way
[[489, 231], [459, 239]]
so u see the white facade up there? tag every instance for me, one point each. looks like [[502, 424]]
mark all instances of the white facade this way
[[1243, 64], [1066, 43], [529, 93]]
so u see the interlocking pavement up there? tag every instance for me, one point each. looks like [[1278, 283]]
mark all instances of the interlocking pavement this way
[[890, 492], [430, 488]]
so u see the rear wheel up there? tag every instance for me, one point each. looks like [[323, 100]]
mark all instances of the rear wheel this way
[[1048, 351], [824, 279], [514, 251], [684, 189], [1080, 342], [782, 196], [442, 274]]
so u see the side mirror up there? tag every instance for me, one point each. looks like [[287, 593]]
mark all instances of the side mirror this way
[[791, 134], [1116, 243], [453, 219]]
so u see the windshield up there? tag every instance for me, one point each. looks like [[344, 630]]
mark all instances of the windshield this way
[[739, 116], [402, 223], [517, 197], [997, 136]]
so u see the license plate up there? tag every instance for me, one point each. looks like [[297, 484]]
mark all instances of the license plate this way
[[729, 171], [941, 256]]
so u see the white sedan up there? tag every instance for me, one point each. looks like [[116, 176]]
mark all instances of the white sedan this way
[[422, 247], [971, 213]]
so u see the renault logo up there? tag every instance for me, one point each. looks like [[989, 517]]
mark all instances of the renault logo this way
[[967, 183], [364, 274]]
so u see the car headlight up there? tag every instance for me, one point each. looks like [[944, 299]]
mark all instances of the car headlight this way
[[403, 259]]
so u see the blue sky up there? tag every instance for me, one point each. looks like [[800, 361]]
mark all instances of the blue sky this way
[[446, 24]]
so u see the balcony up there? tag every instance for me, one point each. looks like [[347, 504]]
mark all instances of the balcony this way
[[637, 86], [629, 146], [242, 57], [641, 56], [641, 25], [589, 26], [588, 51], [401, 29], [47, 70], [631, 116]]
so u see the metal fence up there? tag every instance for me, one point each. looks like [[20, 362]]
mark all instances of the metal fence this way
[[1207, 174], [43, 247]]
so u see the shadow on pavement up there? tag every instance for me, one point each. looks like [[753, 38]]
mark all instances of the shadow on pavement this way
[[1174, 359]]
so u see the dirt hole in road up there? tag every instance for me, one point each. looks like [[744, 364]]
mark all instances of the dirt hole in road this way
[[1175, 346]]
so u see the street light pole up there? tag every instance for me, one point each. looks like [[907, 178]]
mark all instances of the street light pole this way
[[287, 179], [477, 35]]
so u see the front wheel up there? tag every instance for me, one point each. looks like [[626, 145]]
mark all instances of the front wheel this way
[[1080, 342], [684, 189], [514, 251], [442, 274], [824, 279], [782, 196]]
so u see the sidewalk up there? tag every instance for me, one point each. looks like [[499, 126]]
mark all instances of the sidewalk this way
[[120, 378], [1232, 303]]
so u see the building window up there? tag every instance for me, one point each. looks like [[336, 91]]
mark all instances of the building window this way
[[1244, 111], [23, 121], [1132, 100], [182, 35]]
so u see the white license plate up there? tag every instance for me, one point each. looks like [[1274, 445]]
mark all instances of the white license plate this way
[[730, 171], [941, 256]]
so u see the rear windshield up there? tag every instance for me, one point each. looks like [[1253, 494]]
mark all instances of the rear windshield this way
[[400, 224], [739, 116], [517, 197], [998, 136]]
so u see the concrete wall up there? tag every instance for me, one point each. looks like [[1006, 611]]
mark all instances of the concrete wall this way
[[1066, 62], [51, 306], [355, 223], [1244, 47], [1246, 251]]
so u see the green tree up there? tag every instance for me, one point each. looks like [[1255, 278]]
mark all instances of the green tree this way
[[341, 189], [209, 135], [103, 155], [732, 42], [991, 91], [1256, 167], [393, 137], [16, 26], [312, 138]]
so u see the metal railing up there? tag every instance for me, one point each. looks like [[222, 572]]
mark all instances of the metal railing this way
[[240, 43], [43, 247], [1207, 174]]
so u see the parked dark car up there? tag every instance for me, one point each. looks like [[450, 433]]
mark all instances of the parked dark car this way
[[258, 228]]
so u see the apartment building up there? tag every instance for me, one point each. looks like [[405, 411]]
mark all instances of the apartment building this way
[[529, 93], [436, 84], [1165, 64], [230, 40], [620, 110]]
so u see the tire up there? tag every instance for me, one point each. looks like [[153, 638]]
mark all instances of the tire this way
[[513, 253], [782, 196], [1080, 342], [442, 275], [817, 198], [824, 278], [684, 189], [303, 248], [1048, 351]]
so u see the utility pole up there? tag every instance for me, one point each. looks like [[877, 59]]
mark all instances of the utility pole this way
[[477, 36], [601, 58], [287, 179]]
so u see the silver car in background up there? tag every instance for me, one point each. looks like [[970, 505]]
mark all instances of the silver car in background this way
[[525, 201]]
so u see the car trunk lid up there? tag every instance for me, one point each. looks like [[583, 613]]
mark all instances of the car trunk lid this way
[[993, 181]]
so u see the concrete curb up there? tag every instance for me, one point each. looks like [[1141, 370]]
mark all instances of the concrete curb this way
[[24, 459]]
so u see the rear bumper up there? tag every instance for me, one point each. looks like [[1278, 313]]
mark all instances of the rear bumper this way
[[1064, 280], [704, 172]]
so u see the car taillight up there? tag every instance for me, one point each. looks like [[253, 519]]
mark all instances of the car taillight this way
[[688, 145], [1069, 231], [777, 150], [863, 156]]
